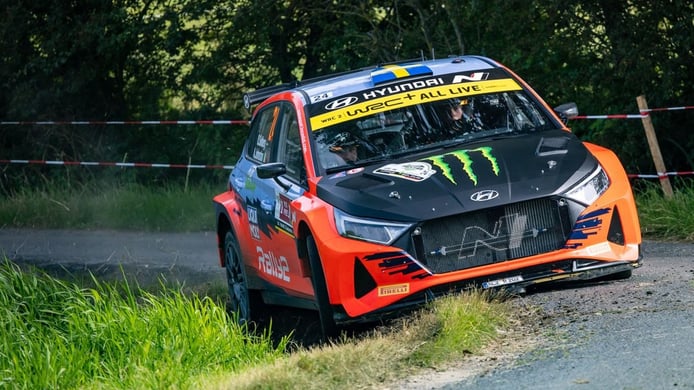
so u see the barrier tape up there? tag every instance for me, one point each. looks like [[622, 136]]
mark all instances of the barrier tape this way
[[116, 164], [615, 116], [642, 114], [660, 175], [200, 122]]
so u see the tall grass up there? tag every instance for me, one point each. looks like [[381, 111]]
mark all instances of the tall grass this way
[[56, 335], [448, 329], [126, 207], [667, 218]]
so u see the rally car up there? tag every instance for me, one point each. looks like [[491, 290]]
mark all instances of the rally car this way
[[370, 191]]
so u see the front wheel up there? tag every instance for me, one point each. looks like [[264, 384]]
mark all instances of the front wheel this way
[[242, 301], [320, 290]]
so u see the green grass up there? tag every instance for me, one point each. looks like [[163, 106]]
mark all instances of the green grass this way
[[58, 335], [667, 218], [135, 207], [127, 207], [113, 336]]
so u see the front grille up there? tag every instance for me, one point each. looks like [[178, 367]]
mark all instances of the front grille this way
[[493, 235]]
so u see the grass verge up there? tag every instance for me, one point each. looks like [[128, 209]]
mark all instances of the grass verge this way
[[126, 207], [58, 335], [135, 207], [667, 218]]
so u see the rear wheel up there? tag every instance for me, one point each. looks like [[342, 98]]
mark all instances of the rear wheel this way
[[325, 311], [243, 303]]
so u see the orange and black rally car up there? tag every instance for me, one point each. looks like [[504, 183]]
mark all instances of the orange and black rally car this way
[[366, 192]]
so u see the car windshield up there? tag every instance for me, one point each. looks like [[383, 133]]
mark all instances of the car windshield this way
[[408, 130]]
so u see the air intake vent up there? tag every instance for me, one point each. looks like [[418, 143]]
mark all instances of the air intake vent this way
[[494, 235]]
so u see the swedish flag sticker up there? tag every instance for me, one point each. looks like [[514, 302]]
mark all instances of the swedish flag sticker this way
[[394, 72]]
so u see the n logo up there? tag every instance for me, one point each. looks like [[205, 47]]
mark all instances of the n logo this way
[[477, 76]]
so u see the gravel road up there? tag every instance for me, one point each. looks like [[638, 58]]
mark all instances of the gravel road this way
[[630, 334]]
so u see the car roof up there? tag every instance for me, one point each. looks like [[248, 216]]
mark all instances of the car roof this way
[[339, 84], [364, 79]]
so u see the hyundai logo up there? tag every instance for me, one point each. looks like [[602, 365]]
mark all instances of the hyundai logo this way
[[484, 195], [341, 103]]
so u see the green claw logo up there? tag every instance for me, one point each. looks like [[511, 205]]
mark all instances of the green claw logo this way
[[464, 157]]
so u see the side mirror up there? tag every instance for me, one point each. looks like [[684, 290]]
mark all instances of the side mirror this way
[[566, 111], [271, 170]]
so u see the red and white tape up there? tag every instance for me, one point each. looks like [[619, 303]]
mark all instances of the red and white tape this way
[[117, 164], [200, 122], [642, 114], [660, 175]]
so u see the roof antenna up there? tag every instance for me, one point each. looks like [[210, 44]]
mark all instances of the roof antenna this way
[[433, 57]]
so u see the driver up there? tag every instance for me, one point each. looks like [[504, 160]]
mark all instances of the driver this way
[[462, 117], [344, 145]]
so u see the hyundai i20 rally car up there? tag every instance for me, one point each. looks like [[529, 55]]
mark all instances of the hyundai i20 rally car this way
[[367, 192]]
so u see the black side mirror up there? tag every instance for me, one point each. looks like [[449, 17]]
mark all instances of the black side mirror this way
[[273, 171]]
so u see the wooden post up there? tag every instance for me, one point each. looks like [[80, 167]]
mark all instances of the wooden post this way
[[653, 145]]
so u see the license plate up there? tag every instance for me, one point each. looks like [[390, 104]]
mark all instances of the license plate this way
[[502, 282]]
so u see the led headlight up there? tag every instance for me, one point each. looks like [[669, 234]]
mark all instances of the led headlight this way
[[381, 232], [591, 188]]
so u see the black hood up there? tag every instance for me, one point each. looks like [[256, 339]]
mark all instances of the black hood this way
[[446, 180]]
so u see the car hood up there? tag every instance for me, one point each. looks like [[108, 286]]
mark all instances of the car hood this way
[[463, 178]]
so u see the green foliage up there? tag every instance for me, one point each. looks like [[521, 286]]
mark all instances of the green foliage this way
[[57, 335], [192, 59]]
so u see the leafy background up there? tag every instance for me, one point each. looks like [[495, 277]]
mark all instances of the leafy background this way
[[98, 60]]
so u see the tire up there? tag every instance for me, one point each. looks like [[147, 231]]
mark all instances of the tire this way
[[325, 311], [244, 304]]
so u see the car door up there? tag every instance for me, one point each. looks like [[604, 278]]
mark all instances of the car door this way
[[269, 211]]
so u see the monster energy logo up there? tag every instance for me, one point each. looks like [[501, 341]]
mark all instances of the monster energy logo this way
[[464, 157]]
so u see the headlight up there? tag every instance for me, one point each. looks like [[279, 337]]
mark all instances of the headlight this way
[[590, 189], [381, 232]]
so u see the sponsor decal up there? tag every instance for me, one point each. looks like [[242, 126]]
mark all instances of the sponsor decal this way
[[464, 157], [410, 98], [253, 222], [502, 282], [284, 216], [414, 171], [268, 263], [484, 195], [394, 289], [409, 86], [598, 249]]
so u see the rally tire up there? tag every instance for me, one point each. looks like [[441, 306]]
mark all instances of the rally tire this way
[[325, 310], [244, 305]]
